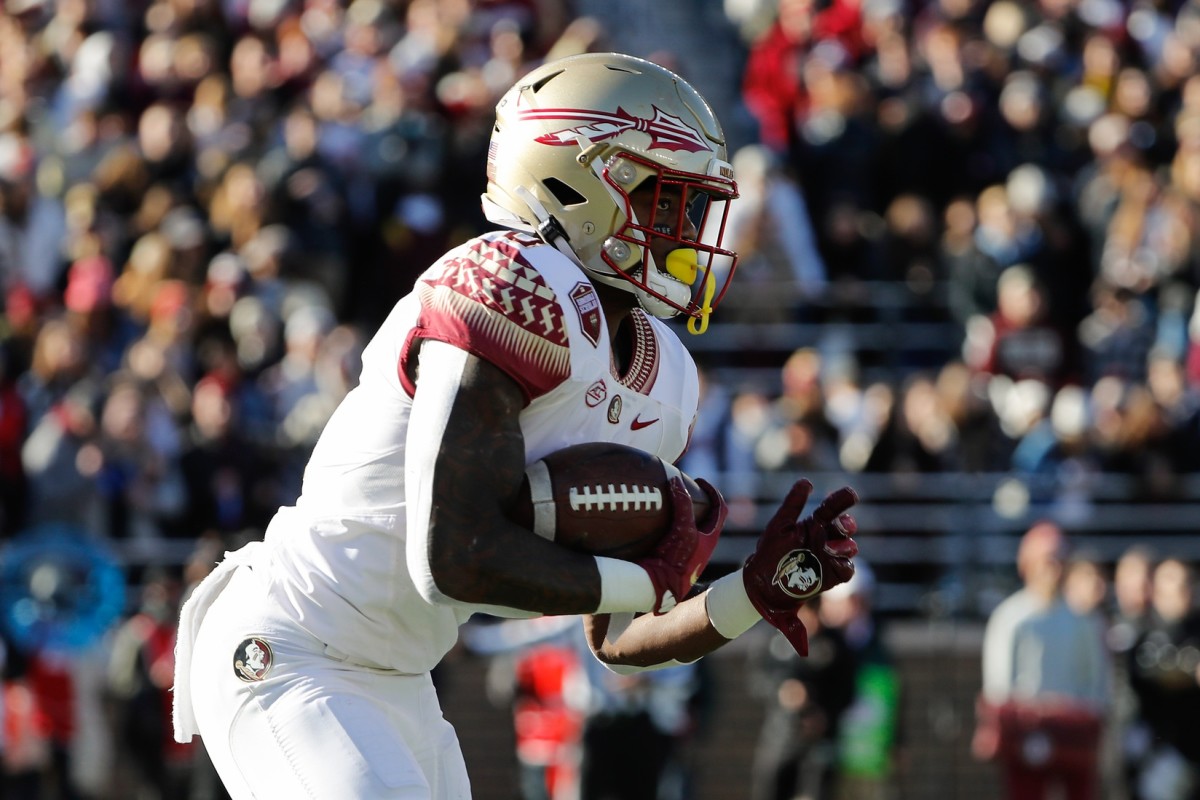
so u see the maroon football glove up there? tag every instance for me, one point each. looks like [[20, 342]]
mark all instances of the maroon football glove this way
[[683, 552], [796, 559]]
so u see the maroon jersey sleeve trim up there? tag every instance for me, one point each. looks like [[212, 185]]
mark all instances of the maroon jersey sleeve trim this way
[[495, 306]]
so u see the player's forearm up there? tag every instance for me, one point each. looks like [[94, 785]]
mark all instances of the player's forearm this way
[[683, 635], [704, 622], [508, 566], [494, 570]]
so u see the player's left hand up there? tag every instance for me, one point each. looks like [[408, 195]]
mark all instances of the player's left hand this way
[[796, 559], [684, 551]]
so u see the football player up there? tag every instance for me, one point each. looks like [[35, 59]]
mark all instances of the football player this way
[[609, 178]]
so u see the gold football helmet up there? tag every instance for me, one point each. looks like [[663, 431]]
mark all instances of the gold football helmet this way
[[576, 136]]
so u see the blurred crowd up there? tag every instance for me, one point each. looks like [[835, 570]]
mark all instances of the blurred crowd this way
[[1029, 173], [206, 206]]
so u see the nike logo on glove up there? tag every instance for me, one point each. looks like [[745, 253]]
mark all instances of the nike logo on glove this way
[[638, 423]]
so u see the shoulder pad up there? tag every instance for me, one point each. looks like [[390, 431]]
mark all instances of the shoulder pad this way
[[488, 300]]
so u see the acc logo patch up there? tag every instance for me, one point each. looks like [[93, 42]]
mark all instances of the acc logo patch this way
[[252, 660], [798, 574], [596, 394]]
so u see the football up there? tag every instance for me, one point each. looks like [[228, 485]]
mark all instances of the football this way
[[602, 498]]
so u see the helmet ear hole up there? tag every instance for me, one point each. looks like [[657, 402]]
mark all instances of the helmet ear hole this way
[[563, 193]]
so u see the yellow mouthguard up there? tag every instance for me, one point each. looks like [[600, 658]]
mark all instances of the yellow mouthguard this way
[[682, 265]]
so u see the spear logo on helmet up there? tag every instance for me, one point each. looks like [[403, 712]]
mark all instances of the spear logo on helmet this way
[[666, 131]]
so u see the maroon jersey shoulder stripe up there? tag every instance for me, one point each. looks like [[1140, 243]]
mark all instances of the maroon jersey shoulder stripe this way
[[492, 303]]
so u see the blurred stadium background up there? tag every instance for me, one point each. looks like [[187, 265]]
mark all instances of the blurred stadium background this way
[[970, 232]]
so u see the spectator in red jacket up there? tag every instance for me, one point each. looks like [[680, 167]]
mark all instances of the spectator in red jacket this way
[[772, 85]]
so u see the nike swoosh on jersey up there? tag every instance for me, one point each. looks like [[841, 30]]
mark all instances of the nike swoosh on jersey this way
[[638, 423]]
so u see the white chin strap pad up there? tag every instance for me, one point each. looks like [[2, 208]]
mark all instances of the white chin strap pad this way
[[674, 290]]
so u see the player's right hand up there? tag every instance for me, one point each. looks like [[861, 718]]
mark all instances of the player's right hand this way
[[796, 559], [683, 552]]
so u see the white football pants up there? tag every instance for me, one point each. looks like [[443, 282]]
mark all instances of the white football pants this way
[[310, 726]]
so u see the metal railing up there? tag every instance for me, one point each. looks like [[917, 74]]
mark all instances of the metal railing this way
[[945, 544]]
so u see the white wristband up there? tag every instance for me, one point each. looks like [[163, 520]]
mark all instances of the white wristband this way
[[624, 586], [730, 611]]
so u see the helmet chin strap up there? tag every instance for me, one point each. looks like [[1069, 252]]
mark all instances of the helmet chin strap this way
[[674, 290]]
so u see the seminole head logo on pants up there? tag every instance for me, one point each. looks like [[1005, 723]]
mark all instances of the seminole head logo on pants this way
[[252, 660]]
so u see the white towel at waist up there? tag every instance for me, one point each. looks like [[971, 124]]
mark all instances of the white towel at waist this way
[[183, 717]]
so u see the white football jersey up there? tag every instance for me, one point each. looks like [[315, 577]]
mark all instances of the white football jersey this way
[[338, 556]]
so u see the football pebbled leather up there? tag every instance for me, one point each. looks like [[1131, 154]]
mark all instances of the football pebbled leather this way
[[602, 498]]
